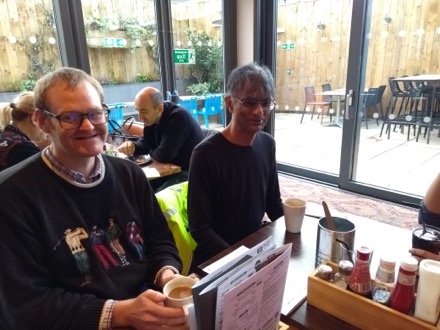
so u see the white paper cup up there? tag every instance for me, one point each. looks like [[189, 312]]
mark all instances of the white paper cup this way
[[294, 210], [180, 284]]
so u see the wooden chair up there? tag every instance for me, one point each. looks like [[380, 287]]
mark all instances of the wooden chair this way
[[312, 101]]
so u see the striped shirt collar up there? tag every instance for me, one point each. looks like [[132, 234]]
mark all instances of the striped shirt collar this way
[[74, 175]]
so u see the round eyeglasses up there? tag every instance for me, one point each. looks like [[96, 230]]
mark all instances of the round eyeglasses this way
[[250, 104], [71, 120]]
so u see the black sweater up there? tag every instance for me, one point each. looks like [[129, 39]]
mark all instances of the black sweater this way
[[173, 139], [51, 281]]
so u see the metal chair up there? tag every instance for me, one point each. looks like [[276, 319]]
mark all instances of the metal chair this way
[[397, 94], [312, 101], [371, 99]]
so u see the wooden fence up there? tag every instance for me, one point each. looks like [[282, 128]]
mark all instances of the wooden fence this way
[[318, 29]]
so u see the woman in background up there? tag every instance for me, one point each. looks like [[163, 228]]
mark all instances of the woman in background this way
[[20, 137]]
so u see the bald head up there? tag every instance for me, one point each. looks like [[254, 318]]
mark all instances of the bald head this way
[[149, 103], [149, 94]]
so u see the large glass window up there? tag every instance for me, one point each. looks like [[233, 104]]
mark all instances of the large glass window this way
[[198, 58], [28, 45], [122, 47]]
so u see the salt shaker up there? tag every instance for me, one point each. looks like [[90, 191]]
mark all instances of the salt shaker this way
[[345, 267], [428, 291], [324, 272], [360, 278], [383, 284], [403, 295]]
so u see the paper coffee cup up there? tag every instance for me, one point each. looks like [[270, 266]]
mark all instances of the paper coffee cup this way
[[294, 210]]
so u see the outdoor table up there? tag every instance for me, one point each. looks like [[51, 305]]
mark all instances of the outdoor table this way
[[339, 94]]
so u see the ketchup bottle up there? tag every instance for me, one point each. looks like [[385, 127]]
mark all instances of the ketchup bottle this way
[[403, 295]]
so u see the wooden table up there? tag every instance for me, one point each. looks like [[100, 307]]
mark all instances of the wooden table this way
[[156, 170], [382, 237]]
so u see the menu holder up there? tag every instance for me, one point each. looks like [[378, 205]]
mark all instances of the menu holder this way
[[245, 292], [355, 309]]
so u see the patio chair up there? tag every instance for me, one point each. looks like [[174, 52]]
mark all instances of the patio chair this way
[[311, 100], [213, 106], [190, 105], [371, 99], [397, 94]]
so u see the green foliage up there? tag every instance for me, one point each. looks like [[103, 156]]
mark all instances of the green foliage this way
[[27, 85], [97, 24], [138, 34], [43, 57], [141, 78], [199, 89], [208, 67]]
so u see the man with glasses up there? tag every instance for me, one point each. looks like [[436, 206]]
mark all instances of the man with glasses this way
[[233, 180], [54, 280]]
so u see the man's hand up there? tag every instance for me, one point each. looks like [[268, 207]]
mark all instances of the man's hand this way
[[420, 254], [147, 311], [127, 148]]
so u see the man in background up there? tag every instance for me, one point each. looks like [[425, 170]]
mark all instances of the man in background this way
[[170, 135], [233, 179]]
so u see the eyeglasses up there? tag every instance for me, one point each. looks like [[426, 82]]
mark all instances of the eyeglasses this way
[[70, 120], [250, 104]]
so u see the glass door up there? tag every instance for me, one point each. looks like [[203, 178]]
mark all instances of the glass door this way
[[358, 47], [312, 61], [402, 38]]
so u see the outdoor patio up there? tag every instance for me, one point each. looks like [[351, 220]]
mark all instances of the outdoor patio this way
[[396, 164]]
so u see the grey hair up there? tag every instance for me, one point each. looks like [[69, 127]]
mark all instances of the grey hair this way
[[69, 77], [255, 74], [157, 98]]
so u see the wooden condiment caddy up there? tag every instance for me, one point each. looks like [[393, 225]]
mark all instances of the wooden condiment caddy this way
[[355, 309]]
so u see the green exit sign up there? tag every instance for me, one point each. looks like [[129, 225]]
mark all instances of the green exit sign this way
[[290, 45], [115, 42], [184, 56]]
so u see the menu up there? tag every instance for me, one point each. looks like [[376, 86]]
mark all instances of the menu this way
[[244, 293]]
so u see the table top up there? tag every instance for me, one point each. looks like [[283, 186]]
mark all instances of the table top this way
[[420, 77], [385, 240], [156, 170], [153, 169], [334, 92]]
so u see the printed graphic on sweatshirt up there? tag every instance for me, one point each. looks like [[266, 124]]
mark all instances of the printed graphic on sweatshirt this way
[[134, 237], [114, 233], [73, 240], [110, 244]]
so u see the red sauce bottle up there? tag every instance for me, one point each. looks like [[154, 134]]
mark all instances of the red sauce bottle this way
[[403, 295], [360, 278]]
